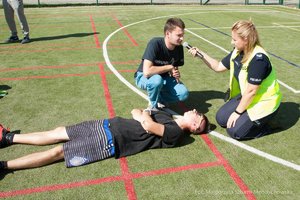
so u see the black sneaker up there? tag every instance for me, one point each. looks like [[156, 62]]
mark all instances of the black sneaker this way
[[12, 39], [5, 137], [25, 40]]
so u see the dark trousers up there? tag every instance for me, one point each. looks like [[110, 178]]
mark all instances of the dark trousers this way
[[244, 128]]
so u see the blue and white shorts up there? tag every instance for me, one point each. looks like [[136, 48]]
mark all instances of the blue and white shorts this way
[[90, 141]]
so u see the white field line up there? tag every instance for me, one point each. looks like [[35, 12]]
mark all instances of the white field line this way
[[133, 88], [290, 22], [226, 51], [288, 27], [256, 151], [202, 38], [259, 27], [288, 87]]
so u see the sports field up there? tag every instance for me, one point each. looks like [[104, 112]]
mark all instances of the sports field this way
[[80, 66]]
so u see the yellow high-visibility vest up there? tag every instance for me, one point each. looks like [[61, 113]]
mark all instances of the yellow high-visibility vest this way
[[268, 97]]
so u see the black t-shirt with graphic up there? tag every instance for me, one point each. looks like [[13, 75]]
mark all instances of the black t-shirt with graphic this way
[[158, 53], [131, 138]]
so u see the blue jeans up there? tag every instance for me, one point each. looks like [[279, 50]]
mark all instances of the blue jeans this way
[[162, 89]]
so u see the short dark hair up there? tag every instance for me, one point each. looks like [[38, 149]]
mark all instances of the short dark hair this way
[[206, 126], [172, 23]]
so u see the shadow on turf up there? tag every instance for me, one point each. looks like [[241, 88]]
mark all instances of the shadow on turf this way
[[199, 99], [287, 116], [58, 37], [4, 87], [4, 173]]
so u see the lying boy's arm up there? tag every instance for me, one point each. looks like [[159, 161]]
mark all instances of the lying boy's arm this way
[[152, 127]]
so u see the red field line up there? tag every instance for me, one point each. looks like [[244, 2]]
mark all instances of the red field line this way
[[65, 15], [70, 65], [122, 70], [48, 50], [118, 41], [59, 186], [175, 169], [109, 179], [127, 62], [229, 169], [98, 45], [60, 75], [127, 176], [49, 67], [106, 92], [14, 47], [47, 77], [95, 32], [123, 161], [128, 182], [112, 44], [66, 25], [126, 32], [130, 187], [60, 49]]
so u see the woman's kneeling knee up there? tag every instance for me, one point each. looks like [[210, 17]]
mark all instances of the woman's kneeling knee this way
[[221, 120], [236, 134], [241, 135]]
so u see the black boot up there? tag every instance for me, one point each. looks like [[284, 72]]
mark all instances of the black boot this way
[[6, 137]]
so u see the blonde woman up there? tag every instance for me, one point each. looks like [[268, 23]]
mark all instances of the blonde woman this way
[[254, 94]]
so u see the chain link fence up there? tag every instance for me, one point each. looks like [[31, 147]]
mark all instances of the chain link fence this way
[[291, 3]]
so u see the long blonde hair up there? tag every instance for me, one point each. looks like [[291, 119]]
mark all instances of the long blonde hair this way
[[246, 30]]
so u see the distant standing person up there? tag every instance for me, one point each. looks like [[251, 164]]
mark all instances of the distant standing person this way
[[12, 7], [254, 94], [158, 71]]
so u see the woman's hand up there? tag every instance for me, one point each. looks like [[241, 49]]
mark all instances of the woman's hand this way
[[193, 51], [209, 61], [232, 119], [243, 105]]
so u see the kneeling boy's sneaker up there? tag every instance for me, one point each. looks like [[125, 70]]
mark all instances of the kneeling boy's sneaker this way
[[6, 137]]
